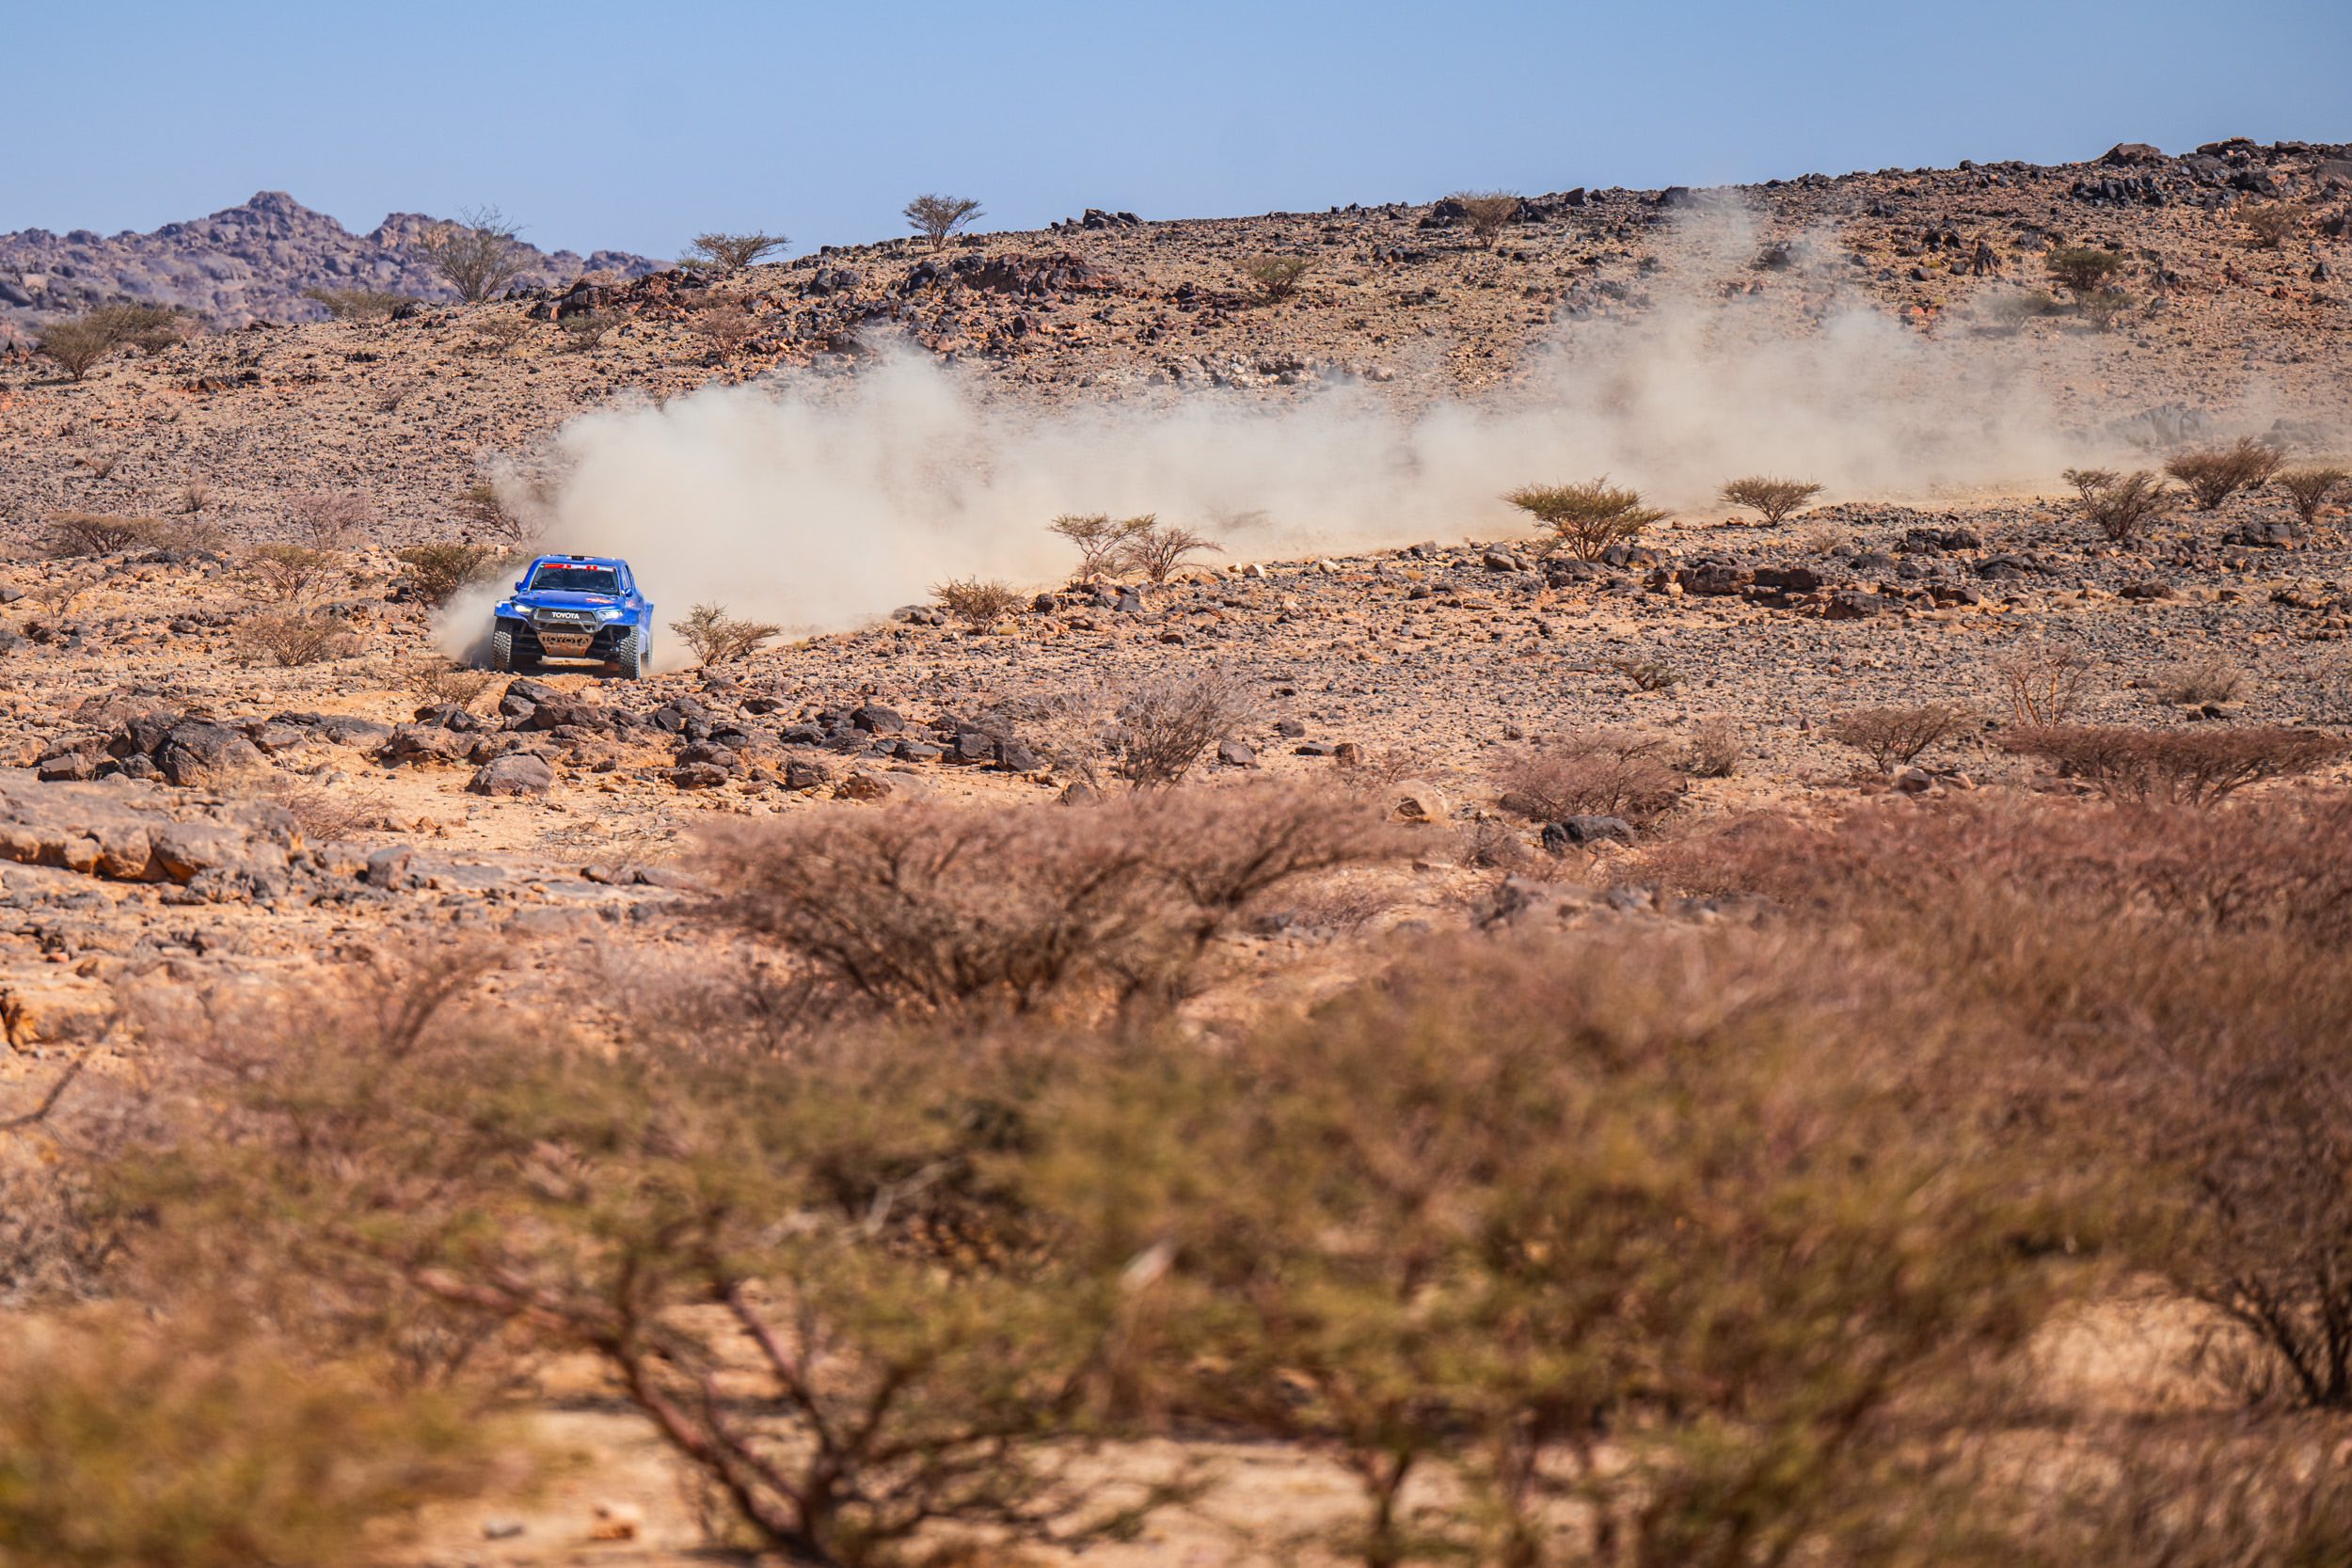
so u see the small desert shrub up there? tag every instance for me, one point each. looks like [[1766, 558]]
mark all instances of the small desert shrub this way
[[2042, 684], [196, 495], [290, 574], [936, 217], [292, 638], [324, 814], [2309, 490], [930, 908], [78, 346], [150, 1443], [356, 304], [1775, 498], [76, 533], [1715, 751], [434, 681], [1167, 724], [1491, 843], [583, 330], [731, 252], [1586, 519], [517, 522], [1820, 539], [1648, 674], [1604, 773], [1894, 738], [1275, 278], [2198, 765], [148, 328], [329, 518], [1488, 213], [477, 257], [2214, 474], [2119, 505], [102, 462], [975, 601], [2213, 678], [1156, 549], [717, 638], [439, 572], [1101, 541], [721, 327], [2274, 223], [2081, 272], [498, 332]]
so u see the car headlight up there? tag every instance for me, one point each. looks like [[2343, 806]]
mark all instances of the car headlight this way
[[612, 614]]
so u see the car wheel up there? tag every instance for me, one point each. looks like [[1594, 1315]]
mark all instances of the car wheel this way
[[503, 650], [631, 655]]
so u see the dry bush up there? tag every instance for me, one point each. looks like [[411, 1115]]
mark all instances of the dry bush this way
[[717, 638], [1715, 751], [1167, 724], [2158, 990], [1491, 843], [290, 574], [1156, 549], [517, 524], [1587, 517], [80, 533], [2213, 678], [292, 638], [329, 518], [2042, 684], [2121, 505], [2309, 490], [1488, 213], [2198, 765], [978, 602], [1101, 541], [911, 1356], [2214, 474], [439, 572], [942, 908], [1648, 674], [1775, 498], [1897, 737], [1622, 1245], [584, 330], [148, 328], [1820, 539], [1602, 774], [58, 592], [731, 252], [78, 346], [196, 495], [322, 814], [102, 462], [126, 1442], [1275, 278], [360, 305], [937, 217], [497, 333], [2274, 223], [477, 257], [721, 327], [434, 681], [61, 1230]]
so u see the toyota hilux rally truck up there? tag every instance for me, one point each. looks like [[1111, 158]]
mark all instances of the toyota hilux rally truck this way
[[574, 607]]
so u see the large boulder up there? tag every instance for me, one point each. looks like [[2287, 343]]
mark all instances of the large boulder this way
[[514, 774], [198, 753]]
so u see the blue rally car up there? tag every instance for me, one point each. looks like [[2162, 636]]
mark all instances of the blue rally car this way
[[574, 607]]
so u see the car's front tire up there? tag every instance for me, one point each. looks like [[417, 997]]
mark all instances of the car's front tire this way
[[629, 655], [503, 650]]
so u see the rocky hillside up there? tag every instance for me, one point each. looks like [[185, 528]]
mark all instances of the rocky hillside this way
[[246, 263]]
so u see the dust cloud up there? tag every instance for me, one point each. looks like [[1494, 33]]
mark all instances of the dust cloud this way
[[820, 501]]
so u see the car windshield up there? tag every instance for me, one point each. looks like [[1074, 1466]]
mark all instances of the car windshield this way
[[576, 579]]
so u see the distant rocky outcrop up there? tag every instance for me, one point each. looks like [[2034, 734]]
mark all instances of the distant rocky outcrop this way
[[249, 262]]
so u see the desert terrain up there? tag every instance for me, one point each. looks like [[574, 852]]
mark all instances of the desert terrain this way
[[2081, 789]]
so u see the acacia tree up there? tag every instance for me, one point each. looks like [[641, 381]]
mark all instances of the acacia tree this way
[[1586, 518], [479, 256], [935, 217], [732, 252]]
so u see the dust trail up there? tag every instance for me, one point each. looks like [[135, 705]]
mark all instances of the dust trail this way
[[820, 501]]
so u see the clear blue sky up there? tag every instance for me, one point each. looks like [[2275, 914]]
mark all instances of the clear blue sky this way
[[636, 125]]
